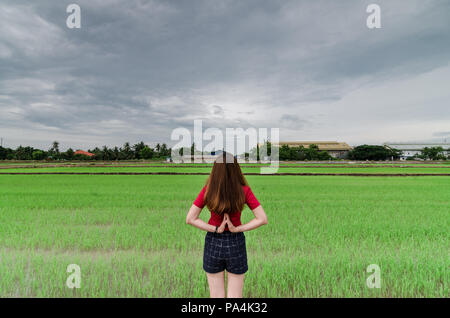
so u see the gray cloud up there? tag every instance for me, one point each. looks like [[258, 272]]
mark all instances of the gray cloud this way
[[292, 122], [138, 69], [442, 134]]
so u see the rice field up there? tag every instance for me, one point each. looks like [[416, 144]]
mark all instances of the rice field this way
[[317, 168], [128, 234]]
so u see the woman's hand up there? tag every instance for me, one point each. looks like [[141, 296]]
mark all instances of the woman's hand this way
[[231, 227], [221, 228]]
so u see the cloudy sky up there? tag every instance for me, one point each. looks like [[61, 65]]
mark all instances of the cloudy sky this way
[[138, 69]]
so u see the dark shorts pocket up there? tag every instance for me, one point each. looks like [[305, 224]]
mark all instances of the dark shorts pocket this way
[[212, 260], [236, 262]]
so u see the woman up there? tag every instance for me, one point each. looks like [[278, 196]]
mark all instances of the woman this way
[[225, 193]]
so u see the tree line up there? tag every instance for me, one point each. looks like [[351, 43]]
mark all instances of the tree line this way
[[433, 153], [161, 151], [372, 152], [312, 152], [362, 152], [301, 153], [126, 152]]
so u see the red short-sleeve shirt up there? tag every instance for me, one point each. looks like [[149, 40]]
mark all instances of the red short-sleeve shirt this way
[[235, 217]]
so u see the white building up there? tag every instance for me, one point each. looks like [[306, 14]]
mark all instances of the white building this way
[[414, 149]]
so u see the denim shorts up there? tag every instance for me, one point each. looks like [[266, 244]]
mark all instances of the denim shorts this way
[[225, 251]]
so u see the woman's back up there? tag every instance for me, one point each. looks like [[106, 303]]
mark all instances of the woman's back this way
[[235, 216]]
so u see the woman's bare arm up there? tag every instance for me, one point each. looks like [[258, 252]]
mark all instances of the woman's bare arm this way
[[193, 219], [259, 220]]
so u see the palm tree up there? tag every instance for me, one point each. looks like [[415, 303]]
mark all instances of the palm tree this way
[[126, 151]]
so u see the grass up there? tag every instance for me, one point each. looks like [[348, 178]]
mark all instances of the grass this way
[[129, 237]]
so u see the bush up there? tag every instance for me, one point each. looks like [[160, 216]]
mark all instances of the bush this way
[[38, 155], [373, 152]]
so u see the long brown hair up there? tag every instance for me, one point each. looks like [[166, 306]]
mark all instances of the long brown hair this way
[[224, 193]]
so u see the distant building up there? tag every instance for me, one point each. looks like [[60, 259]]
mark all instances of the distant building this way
[[410, 150], [206, 157], [334, 148], [85, 153]]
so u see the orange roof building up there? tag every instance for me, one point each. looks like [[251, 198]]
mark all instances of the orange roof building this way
[[85, 153]]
